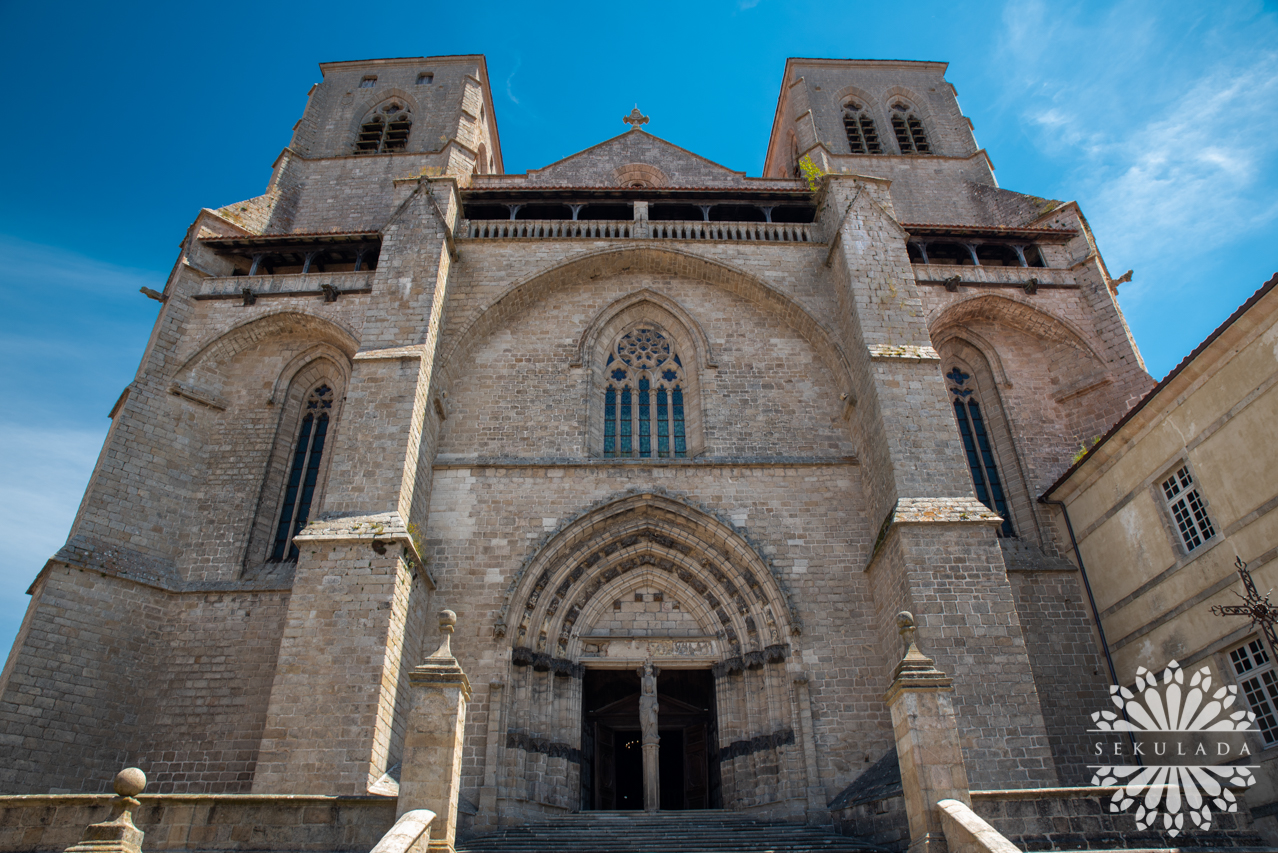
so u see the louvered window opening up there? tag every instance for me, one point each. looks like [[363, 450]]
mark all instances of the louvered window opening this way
[[910, 136], [980, 454], [385, 131], [303, 477], [863, 136], [643, 399], [1188, 509]]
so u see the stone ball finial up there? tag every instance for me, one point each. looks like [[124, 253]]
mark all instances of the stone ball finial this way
[[904, 621], [447, 619], [130, 782]]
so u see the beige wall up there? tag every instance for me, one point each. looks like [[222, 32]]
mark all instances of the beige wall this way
[[1219, 416]]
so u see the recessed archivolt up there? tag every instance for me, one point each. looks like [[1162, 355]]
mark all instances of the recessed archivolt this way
[[220, 348], [623, 587], [693, 555], [320, 353], [1013, 313], [918, 105], [378, 97], [662, 261], [963, 336], [647, 304]]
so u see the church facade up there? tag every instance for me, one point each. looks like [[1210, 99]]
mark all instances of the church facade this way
[[632, 410]]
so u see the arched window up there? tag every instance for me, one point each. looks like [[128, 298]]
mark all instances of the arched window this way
[[385, 129], [863, 136], [910, 136], [977, 447], [644, 407], [304, 472]]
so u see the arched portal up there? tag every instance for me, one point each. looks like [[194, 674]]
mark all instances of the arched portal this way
[[650, 579]]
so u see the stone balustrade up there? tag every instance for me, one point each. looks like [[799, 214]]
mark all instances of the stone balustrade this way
[[548, 229], [566, 229]]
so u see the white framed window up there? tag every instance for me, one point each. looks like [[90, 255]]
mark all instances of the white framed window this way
[[1188, 509], [1258, 679]]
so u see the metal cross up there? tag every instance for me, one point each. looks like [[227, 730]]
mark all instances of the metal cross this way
[[1258, 609]]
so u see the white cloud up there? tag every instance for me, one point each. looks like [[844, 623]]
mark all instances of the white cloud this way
[[44, 475], [1167, 115], [47, 267], [71, 328], [510, 92]]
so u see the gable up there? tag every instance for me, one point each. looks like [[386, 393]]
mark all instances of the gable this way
[[635, 157]]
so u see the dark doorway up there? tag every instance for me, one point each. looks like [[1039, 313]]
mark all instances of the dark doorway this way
[[612, 748]]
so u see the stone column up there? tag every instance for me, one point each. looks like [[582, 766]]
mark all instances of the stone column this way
[[651, 741], [430, 776], [117, 835], [927, 744]]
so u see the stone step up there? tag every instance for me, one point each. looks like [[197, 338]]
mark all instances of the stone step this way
[[682, 832]]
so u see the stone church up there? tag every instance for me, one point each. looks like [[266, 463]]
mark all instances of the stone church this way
[[630, 411]]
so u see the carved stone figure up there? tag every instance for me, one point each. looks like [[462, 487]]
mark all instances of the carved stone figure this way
[[648, 706]]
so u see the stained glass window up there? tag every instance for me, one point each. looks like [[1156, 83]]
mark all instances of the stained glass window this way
[[976, 446], [643, 397], [303, 477]]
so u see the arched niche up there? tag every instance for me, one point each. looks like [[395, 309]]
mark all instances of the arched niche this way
[[695, 555]]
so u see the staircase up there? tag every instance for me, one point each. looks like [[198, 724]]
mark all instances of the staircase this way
[[667, 832]]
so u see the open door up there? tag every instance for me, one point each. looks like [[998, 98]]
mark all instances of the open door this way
[[696, 787], [606, 768]]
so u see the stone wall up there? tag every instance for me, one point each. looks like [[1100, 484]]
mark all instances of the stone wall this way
[[1079, 819], [183, 822], [112, 672]]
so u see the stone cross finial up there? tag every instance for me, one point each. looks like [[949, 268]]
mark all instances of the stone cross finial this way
[[117, 835], [635, 118], [447, 619]]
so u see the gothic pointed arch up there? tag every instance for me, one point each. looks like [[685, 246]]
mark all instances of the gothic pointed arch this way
[[553, 604], [311, 390], [909, 122], [1012, 312], [215, 351], [384, 130], [966, 336], [649, 578], [377, 99], [462, 337], [654, 302], [987, 435]]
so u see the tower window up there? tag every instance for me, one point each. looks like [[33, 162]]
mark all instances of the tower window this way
[[425, 78], [977, 448], [644, 398], [910, 136], [863, 136], [368, 82], [1187, 509], [386, 129], [303, 476]]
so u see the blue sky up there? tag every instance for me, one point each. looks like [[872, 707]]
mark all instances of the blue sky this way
[[1160, 118]]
